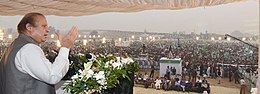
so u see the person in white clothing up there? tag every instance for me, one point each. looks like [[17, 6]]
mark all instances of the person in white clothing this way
[[198, 80], [146, 76], [253, 91], [243, 86], [208, 71], [158, 83], [24, 69]]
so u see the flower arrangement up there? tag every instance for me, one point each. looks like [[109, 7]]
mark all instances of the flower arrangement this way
[[100, 73]]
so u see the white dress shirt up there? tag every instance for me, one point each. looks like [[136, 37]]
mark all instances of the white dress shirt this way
[[30, 59]]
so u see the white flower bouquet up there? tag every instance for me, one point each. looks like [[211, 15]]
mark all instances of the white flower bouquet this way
[[100, 73]]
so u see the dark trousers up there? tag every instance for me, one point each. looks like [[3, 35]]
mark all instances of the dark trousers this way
[[152, 74], [236, 80], [230, 78], [243, 89]]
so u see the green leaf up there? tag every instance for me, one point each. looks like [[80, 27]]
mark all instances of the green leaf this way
[[88, 65]]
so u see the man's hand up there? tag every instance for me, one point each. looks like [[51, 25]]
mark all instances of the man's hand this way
[[69, 39]]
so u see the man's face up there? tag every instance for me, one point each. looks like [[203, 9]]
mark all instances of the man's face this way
[[39, 32]]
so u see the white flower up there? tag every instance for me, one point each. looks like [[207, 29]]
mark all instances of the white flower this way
[[124, 61], [107, 65], [102, 55], [109, 55], [130, 60], [90, 91], [105, 87], [127, 60], [117, 65], [89, 73], [85, 92], [111, 61], [99, 75], [75, 77], [102, 82], [80, 54], [81, 72], [118, 59]]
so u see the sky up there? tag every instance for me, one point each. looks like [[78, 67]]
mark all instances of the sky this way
[[221, 19]]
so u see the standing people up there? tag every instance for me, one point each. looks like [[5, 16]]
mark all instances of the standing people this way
[[24, 69], [174, 71], [208, 71], [236, 76], [152, 71], [194, 74], [168, 71], [230, 73], [219, 75]]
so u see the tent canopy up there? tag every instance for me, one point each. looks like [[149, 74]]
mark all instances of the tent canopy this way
[[88, 7]]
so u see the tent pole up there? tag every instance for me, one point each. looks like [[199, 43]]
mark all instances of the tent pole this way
[[258, 75]]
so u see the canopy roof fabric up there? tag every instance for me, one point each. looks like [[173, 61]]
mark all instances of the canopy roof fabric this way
[[87, 7]]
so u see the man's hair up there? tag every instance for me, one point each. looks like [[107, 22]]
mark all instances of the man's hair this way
[[30, 18]]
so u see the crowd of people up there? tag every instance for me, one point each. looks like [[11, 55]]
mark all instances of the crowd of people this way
[[214, 59], [174, 82]]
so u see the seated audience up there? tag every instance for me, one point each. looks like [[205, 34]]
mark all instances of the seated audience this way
[[158, 83]]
